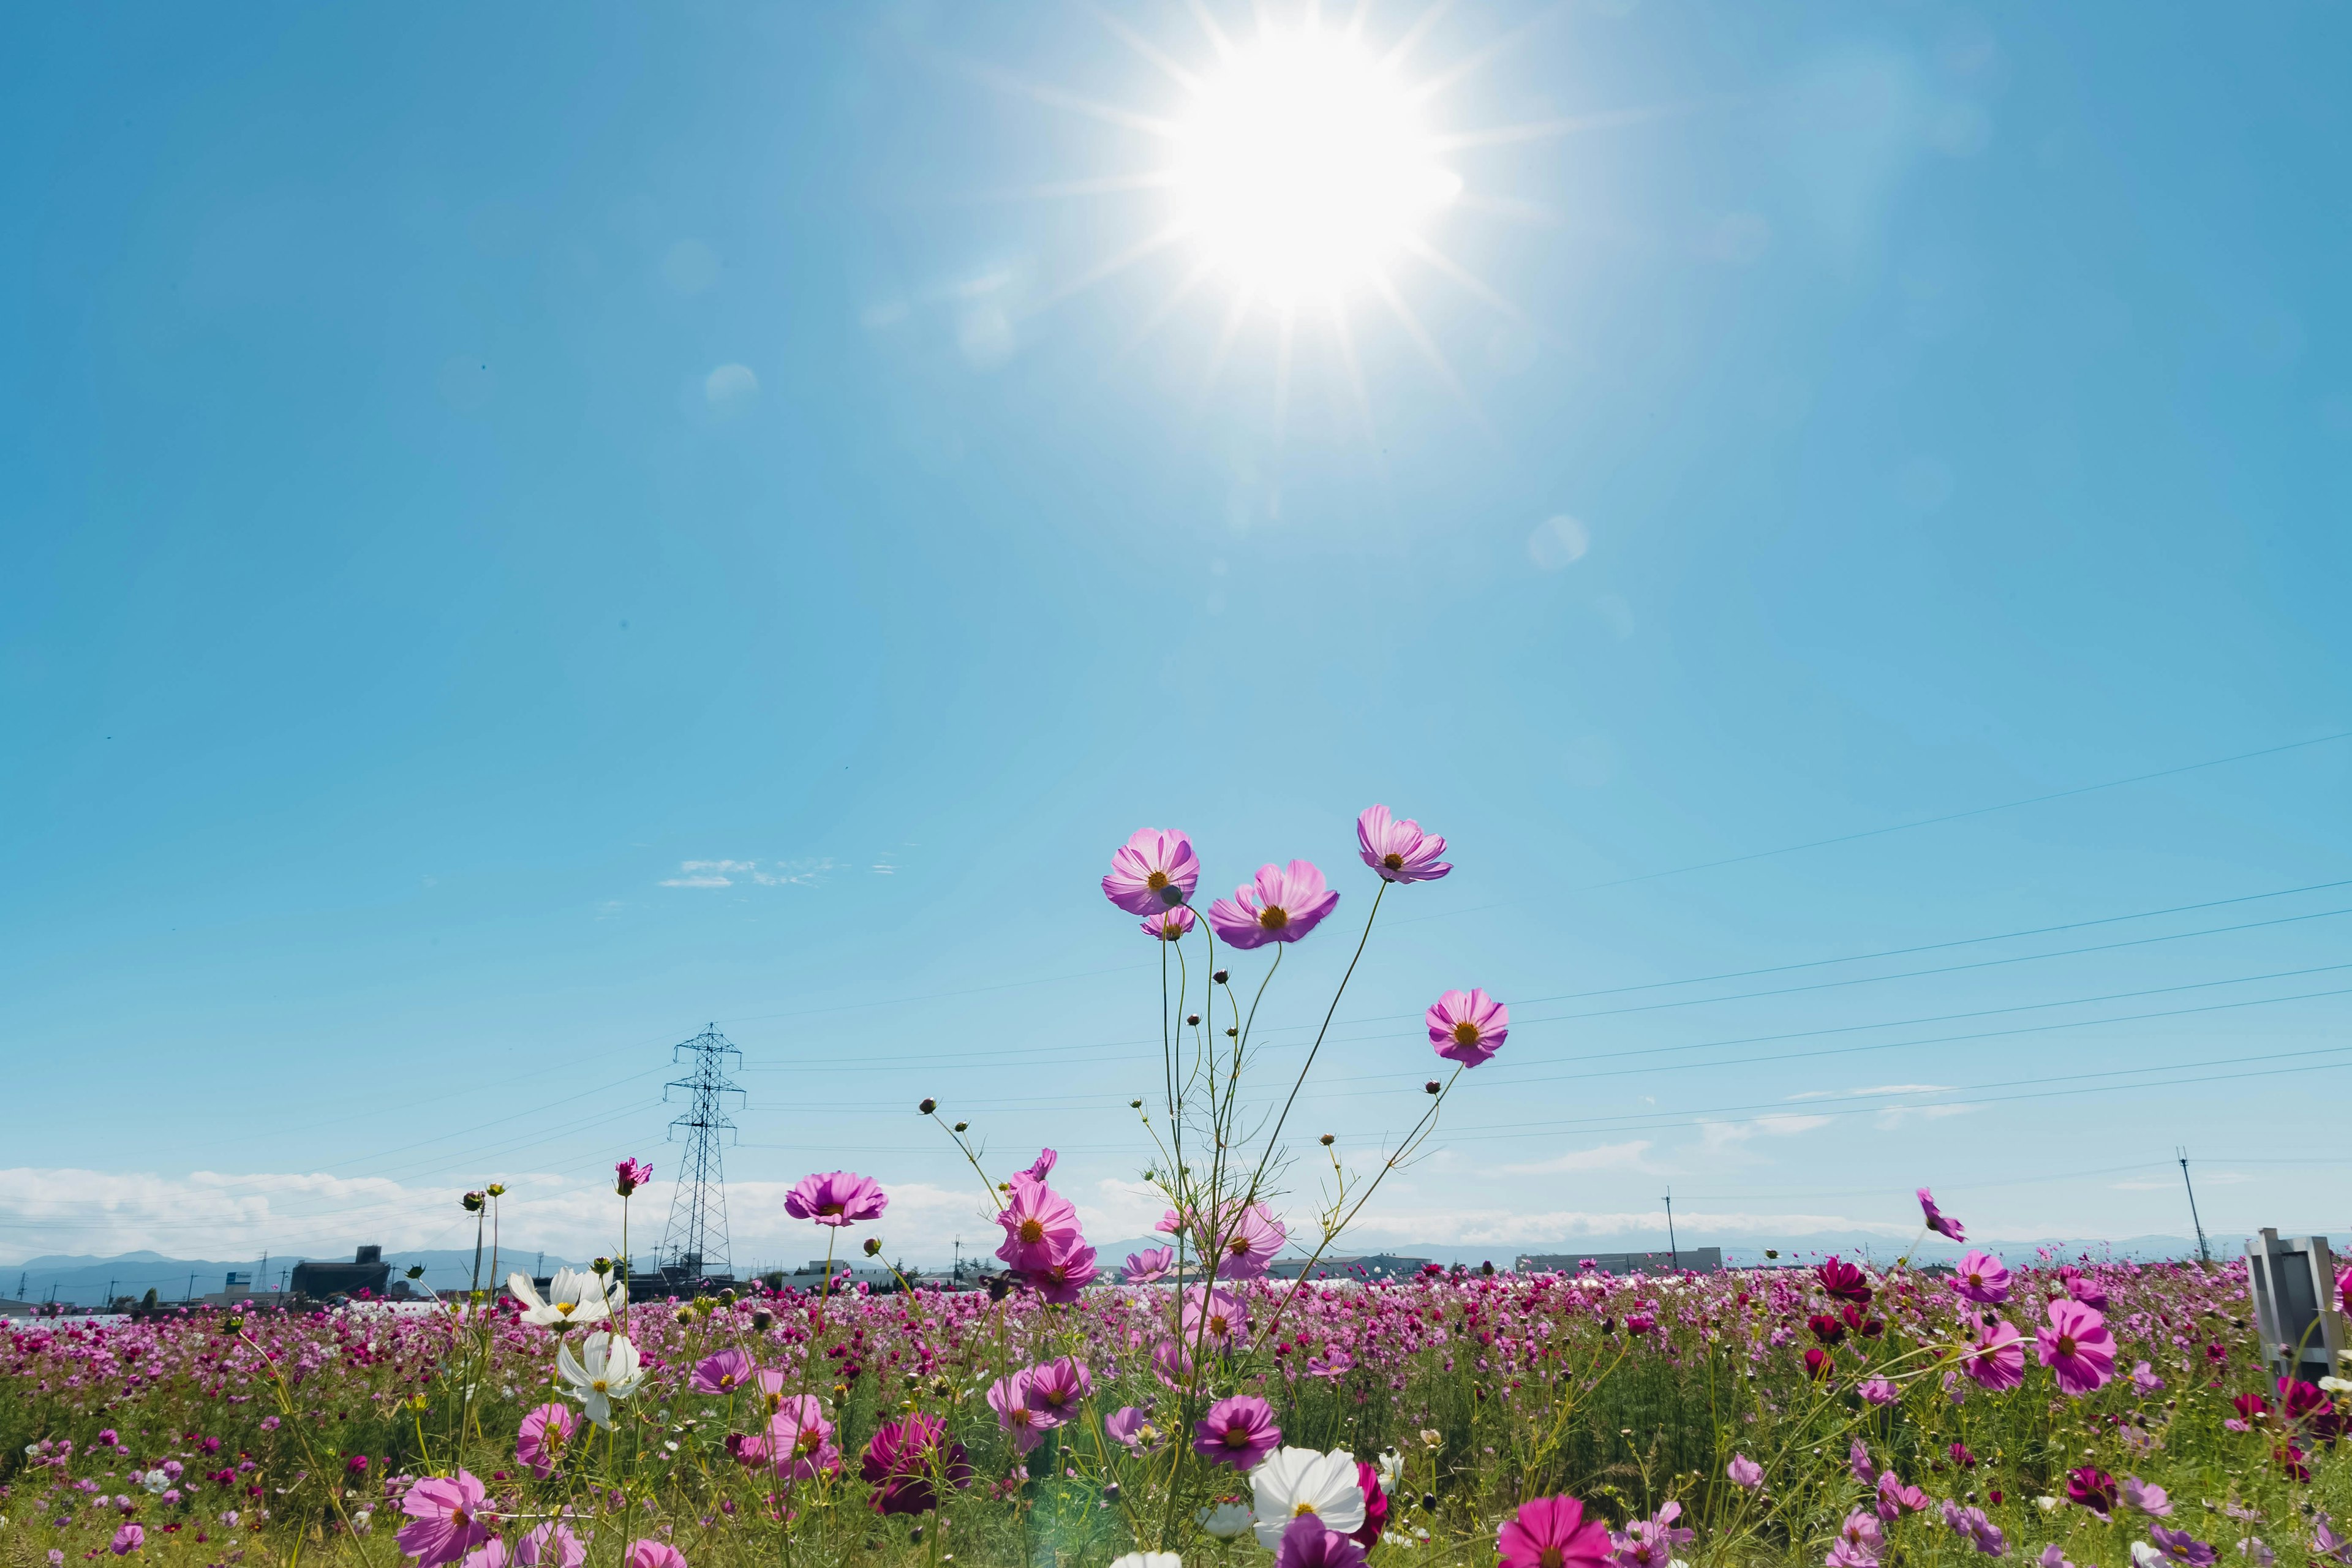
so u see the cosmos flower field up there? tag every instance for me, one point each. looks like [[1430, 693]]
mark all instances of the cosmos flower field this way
[[1191, 1406]]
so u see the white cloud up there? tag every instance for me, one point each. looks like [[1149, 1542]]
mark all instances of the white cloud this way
[[1895, 1116], [722, 873], [1721, 1135], [1873, 1089], [1606, 1157]]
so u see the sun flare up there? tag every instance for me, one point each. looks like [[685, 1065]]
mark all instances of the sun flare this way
[[1303, 166]]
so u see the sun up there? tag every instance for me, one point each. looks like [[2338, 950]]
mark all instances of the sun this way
[[1303, 167]]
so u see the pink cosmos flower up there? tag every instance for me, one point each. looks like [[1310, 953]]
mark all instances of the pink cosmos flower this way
[[1222, 1313], [1996, 1361], [1171, 1364], [728, 1372], [1895, 1499], [493, 1555], [1170, 925], [1979, 1532], [1129, 1427], [1399, 850], [131, 1538], [2325, 1542], [1376, 1508], [443, 1525], [1058, 1388], [1153, 870], [1009, 1397], [2092, 1488], [1040, 1226], [836, 1198], [1844, 1281], [1239, 1431], [1062, 1280], [1552, 1532], [654, 1554], [1860, 1543], [1282, 905], [1878, 1391], [2055, 1556], [1253, 1239], [1858, 1460], [1151, 1264], [1468, 1027], [1650, 1542], [630, 1174], [2145, 1380], [2147, 1499], [2077, 1347], [2180, 1547], [1745, 1472], [1940, 1222], [1982, 1277], [550, 1545], [798, 1443], [1308, 1543], [540, 1441], [905, 1461], [2082, 1288]]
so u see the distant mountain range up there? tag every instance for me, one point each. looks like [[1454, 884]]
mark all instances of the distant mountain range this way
[[85, 1281]]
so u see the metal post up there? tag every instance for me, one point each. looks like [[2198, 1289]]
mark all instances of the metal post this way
[[2204, 1254], [1673, 1253]]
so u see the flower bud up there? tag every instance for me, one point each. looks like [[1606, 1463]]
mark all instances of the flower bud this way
[[928, 1106], [1219, 977], [962, 1126], [1192, 1018], [602, 1266], [1433, 1086], [497, 1189], [472, 1203], [873, 1247], [1327, 1140], [1135, 1105], [762, 1320]]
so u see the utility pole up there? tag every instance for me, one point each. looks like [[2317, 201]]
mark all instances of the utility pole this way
[[1673, 1253], [191, 1288], [2204, 1253]]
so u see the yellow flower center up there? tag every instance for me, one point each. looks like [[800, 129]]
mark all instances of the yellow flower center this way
[[1550, 1557], [1273, 917], [1297, 1509], [1157, 881], [598, 1385], [565, 1307], [1393, 860], [2065, 1344], [1465, 1033], [1033, 1230]]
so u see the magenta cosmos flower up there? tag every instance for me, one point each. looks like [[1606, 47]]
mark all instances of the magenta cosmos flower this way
[[1239, 1431], [551, 1545], [541, 1440], [836, 1198], [1745, 1472], [654, 1554], [443, 1526], [1983, 1278], [2077, 1347], [630, 1174], [126, 1540], [1938, 1220], [907, 1459], [1009, 1397], [1057, 1388], [1996, 1361], [1282, 905], [1552, 1532], [1064, 1280], [727, 1372], [1041, 1227], [1844, 1281], [1468, 1027], [1399, 850], [1153, 871], [1308, 1543]]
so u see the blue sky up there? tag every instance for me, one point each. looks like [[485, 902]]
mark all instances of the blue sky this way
[[525, 536]]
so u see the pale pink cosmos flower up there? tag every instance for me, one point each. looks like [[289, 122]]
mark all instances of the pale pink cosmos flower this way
[[1009, 1397], [654, 1554], [1171, 1364], [1895, 1499], [836, 1198], [2147, 1499], [1283, 904], [126, 1540], [493, 1555], [550, 1545], [1398, 849], [1058, 1387], [1979, 1532], [725, 1371], [1040, 1226], [1745, 1472], [1982, 1277], [1153, 870], [1879, 1391], [1221, 1313], [1151, 1264], [2145, 1380], [1129, 1428], [541, 1440], [443, 1522], [2077, 1347], [1254, 1237], [1170, 925], [1997, 1360], [1860, 1543], [1858, 1460], [1468, 1027]]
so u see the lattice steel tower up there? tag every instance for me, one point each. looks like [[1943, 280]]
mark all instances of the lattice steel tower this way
[[696, 1242]]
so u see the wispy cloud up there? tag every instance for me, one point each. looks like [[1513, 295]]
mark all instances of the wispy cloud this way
[[769, 874], [1721, 1135], [1873, 1089], [1895, 1116], [1607, 1157]]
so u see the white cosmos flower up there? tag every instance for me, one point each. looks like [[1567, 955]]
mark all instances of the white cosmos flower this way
[[1293, 1481], [572, 1297], [1392, 1468], [1148, 1560], [1227, 1520], [606, 1369]]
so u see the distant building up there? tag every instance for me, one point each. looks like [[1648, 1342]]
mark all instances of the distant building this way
[[367, 1271], [1371, 1265], [1695, 1259]]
